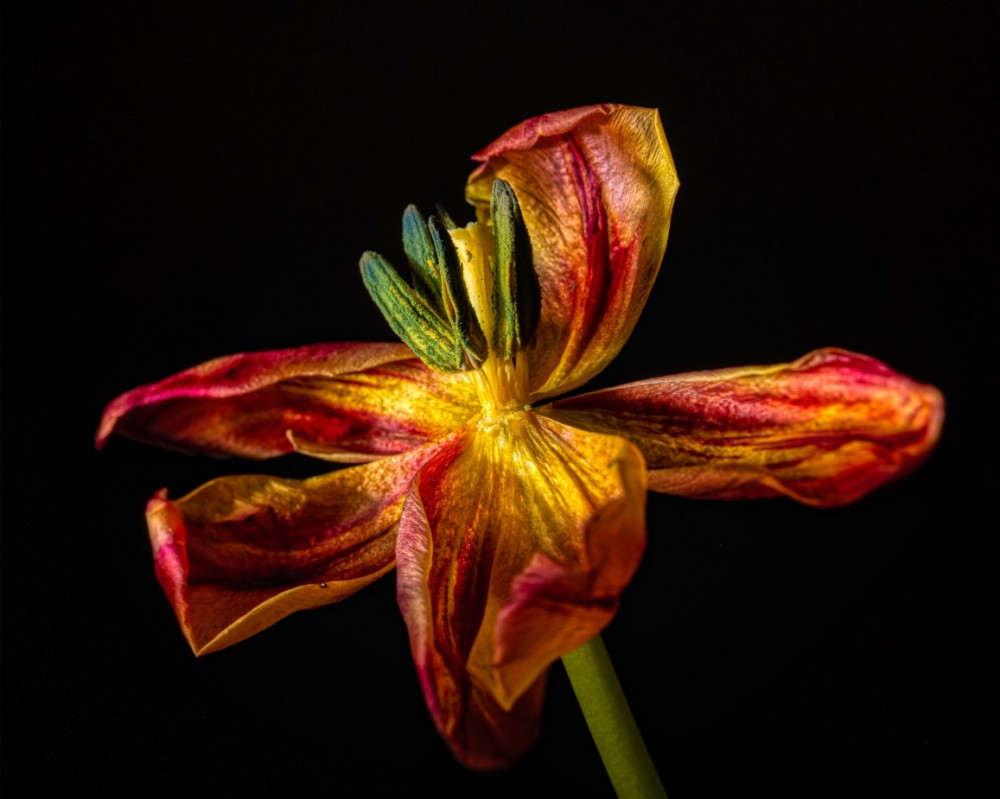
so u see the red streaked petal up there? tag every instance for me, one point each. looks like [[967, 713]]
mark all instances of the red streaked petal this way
[[240, 553], [596, 186], [348, 402], [824, 430], [514, 546]]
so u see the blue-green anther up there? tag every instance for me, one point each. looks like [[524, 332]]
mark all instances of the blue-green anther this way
[[516, 293], [455, 300], [420, 326], [445, 217], [419, 249], [434, 314]]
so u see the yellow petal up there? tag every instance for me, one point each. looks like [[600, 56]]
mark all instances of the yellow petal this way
[[240, 553], [514, 546]]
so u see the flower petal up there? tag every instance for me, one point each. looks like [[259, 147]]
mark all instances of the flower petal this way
[[596, 186], [346, 402], [514, 545], [824, 430], [240, 553]]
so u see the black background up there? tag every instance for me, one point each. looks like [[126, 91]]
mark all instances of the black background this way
[[185, 183]]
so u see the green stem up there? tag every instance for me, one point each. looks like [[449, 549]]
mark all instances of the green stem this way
[[611, 724]]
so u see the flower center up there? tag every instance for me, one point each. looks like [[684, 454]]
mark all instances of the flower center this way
[[502, 386], [473, 300]]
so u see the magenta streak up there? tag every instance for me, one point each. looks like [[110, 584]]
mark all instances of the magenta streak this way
[[598, 275]]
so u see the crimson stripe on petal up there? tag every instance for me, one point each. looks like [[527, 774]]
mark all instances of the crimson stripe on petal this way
[[348, 402], [596, 187], [824, 430], [514, 545], [240, 553]]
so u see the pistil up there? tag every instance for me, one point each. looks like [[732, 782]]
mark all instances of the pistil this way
[[502, 386]]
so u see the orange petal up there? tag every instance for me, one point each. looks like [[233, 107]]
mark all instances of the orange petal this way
[[514, 545], [240, 553], [345, 402], [596, 186], [824, 430]]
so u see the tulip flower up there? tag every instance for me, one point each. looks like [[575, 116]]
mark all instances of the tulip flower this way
[[514, 519]]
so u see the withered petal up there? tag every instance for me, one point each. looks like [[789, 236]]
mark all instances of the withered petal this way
[[240, 553], [824, 430], [596, 187], [514, 546], [346, 402]]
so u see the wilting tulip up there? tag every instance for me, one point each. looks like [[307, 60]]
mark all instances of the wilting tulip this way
[[513, 523]]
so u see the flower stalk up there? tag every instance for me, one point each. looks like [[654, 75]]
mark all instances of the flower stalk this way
[[611, 723]]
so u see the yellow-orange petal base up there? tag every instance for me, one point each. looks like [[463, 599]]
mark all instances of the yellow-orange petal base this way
[[514, 545]]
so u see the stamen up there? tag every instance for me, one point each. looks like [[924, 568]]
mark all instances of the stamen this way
[[472, 303]]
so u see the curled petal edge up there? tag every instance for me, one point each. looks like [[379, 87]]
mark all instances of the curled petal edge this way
[[240, 553]]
